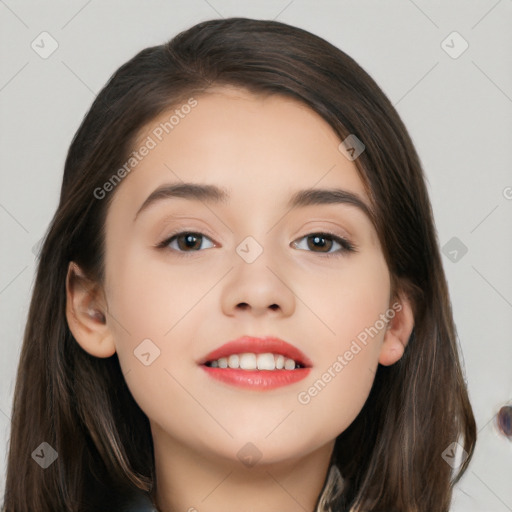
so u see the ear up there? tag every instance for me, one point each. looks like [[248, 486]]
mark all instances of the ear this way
[[86, 314], [398, 330]]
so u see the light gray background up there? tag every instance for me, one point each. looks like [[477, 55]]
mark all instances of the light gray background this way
[[458, 112]]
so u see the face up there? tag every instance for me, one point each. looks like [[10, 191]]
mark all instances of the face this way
[[185, 275]]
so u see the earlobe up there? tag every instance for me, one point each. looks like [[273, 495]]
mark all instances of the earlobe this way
[[398, 331], [86, 314]]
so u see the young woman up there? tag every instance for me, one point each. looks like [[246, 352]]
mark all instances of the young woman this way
[[240, 302]]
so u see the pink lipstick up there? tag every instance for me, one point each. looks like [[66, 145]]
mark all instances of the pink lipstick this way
[[257, 363]]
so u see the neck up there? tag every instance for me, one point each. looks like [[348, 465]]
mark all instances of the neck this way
[[190, 481]]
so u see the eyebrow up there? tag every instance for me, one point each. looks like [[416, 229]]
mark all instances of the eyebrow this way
[[214, 194]]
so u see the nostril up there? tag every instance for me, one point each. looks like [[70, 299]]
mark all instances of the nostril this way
[[244, 305]]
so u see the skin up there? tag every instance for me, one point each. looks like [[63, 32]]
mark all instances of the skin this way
[[261, 149]]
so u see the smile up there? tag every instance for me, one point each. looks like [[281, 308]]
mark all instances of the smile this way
[[257, 363], [251, 361]]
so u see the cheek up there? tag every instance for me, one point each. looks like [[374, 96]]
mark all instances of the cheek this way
[[160, 309], [351, 305], [150, 302], [155, 308]]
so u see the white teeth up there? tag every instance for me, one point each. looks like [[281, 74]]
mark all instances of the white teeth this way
[[266, 362], [289, 364], [233, 361], [251, 361], [248, 362]]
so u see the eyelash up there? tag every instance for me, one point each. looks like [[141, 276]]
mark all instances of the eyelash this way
[[346, 246]]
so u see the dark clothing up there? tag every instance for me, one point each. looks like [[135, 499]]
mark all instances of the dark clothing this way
[[138, 503]]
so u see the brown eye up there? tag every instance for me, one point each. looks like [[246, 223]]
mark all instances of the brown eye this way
[[324, 243], [187, 241]]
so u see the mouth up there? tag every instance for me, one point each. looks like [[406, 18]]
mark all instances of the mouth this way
[[257, 363], [251, 361]]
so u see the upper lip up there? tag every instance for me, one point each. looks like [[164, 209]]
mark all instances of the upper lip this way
[[267, 344]]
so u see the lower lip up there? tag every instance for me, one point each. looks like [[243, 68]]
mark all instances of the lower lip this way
[[257, 379]]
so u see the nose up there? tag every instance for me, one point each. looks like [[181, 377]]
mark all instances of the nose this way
[[258, 288]]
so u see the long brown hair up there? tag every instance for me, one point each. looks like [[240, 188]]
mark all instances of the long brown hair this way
[[390, 458]]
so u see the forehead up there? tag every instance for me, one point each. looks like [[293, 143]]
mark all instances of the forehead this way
[[252, 145]]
